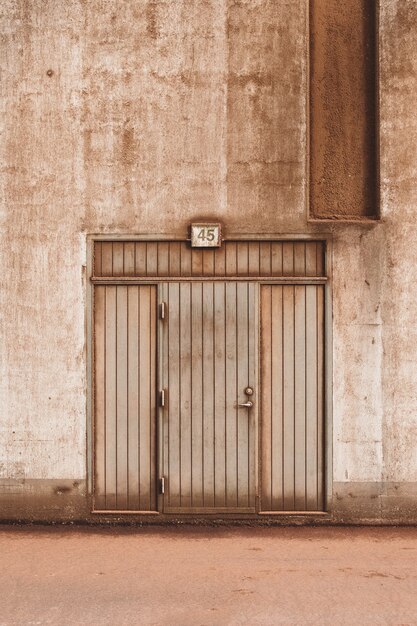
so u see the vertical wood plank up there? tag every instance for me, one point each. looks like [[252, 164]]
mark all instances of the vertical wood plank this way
[[254, 258], [231, 396], [118, 258], [320, 396], [277, 260], [208, 392], [231, 258], [265, 268], [253, 322], [320, 259], [164, 383], [299, 398], [288, 258], [99, 397], [185, 393], [129, 258], [175, 258], [220, 261], [242, 258], [111, 386], [133, 349], [186, 252], [311, 398], [144, 396], [122, 393], [140, 258], [311, 258], [208, 262], [220, 389], [107, 258], [163, 258], [276, 392], [242, 377], [97, 258], [197, 395], [288, 403], [174, 394], [152, 399], [266, 391], [151, 258], [299, 259], [197, 262]]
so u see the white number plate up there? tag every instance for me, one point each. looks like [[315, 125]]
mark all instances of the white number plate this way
[[206, 235]]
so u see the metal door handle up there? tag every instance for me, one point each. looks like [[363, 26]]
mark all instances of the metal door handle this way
[[246, 405]]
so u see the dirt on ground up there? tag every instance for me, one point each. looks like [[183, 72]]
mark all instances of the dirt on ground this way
[[207, 576]]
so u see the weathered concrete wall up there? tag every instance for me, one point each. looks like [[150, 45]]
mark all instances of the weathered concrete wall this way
[[138, 117], [375, 306]]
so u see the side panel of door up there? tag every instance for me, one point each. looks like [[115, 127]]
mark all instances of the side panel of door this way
[[292, 407], [124, 393]]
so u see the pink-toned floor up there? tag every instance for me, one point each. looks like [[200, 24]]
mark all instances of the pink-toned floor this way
[[208, 576]]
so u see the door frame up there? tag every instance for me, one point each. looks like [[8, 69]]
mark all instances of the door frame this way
[[88, 289]]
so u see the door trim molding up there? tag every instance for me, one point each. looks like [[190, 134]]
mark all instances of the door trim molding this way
[[134, 280], [322, 236]]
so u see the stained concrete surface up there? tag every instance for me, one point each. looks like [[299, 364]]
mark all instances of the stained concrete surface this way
[[127, 117], [205, 576], [343, 109]]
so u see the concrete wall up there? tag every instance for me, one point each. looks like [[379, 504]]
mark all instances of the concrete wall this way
[[138, 117]]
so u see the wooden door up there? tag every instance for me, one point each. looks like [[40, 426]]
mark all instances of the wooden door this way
[[208, 361], [124, 398], [292, 405]]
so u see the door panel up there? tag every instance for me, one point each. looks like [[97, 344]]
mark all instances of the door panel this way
[[292, 362], [209, 452], [124, 357]]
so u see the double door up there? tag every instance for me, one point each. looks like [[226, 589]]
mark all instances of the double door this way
[[208, 397]]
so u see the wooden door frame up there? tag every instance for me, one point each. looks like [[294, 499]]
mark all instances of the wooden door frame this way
[[328, 350]]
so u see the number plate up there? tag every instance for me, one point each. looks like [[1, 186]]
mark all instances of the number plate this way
[[206, 235]]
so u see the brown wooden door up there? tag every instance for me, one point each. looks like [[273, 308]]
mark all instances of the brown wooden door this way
[[208, 360]]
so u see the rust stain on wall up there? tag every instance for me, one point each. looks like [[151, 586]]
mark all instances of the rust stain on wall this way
[[343, 109]]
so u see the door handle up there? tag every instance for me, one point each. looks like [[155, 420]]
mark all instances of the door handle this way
[[246, 405]]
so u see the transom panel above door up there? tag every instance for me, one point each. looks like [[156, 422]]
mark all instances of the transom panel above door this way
[[147, 260]]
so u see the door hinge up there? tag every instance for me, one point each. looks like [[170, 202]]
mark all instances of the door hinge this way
[[162, 308], [162, 485], [162, 397]]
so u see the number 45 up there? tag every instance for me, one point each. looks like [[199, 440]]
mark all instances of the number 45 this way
[[206, 234]]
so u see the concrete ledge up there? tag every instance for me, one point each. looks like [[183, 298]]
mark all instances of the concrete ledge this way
[[369, 502], [67, 501], [43, 500]]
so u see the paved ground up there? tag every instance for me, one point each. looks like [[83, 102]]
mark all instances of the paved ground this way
[[208, 576]]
